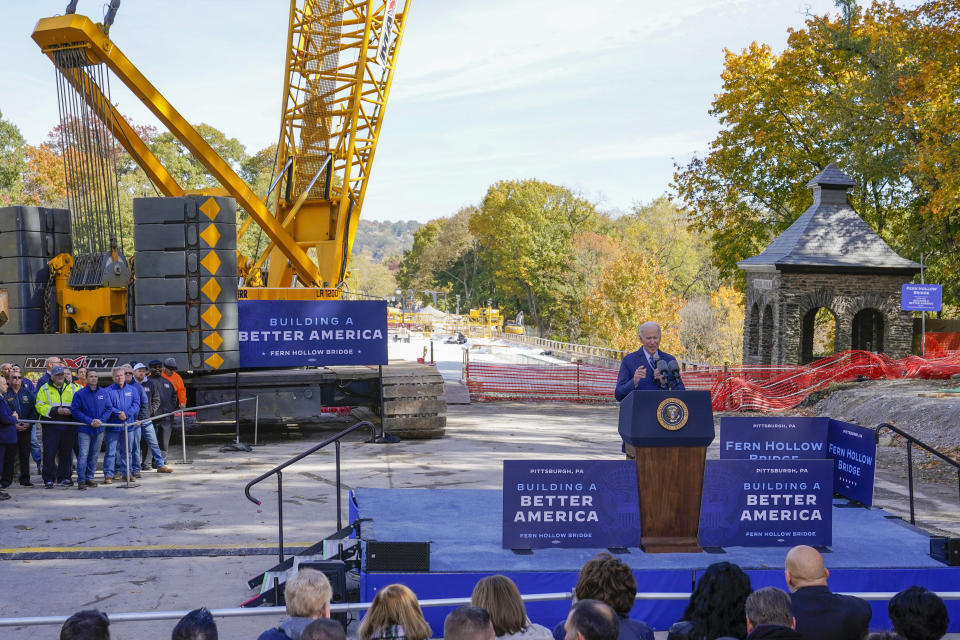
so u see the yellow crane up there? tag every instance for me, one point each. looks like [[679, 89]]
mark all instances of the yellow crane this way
[[341, 56]]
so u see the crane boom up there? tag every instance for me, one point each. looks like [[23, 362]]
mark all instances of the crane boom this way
[[341, 56], [77, 31]]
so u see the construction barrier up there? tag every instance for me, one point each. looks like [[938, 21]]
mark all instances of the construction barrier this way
[[742, 388], [940, 343]]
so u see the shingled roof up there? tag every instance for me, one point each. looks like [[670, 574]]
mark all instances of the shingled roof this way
[[830, 236]]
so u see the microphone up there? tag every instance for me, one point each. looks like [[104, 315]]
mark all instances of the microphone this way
[[664, 373], [674, 373]]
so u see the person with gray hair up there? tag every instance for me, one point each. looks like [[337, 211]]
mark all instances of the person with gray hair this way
[[639, 370], [307, 596], [769, 616], [468, 623]]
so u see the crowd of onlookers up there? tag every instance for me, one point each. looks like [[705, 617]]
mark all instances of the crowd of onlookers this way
[[722, 606], [60, 421]]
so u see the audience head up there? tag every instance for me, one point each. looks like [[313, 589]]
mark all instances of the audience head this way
[[118, 376], [468, 623], [15, 379], [591, 620], [89, 624], [3, 384], [308, 594], [58, 375], [5, 369], [768, 606], [395, 605], [716, 604], [500, 596], [804, 568], [918, 614], [82, 375], [323, 629], [93, 379], [608, 580], [196, 625], [52, 362]]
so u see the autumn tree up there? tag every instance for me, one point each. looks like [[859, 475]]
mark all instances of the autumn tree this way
[[632, 287], [831, 96]]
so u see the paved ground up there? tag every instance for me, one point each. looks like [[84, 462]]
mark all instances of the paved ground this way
[[203, 504]]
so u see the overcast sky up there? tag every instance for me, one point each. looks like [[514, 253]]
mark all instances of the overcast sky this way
[[599, 97]]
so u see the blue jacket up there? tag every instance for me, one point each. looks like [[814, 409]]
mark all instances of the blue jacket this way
[[629, 366], [126, 399], [8, 425], [24, 402], [89, 405]]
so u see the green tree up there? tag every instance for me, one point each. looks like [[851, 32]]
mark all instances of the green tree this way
[[525, 229], [12, 161]]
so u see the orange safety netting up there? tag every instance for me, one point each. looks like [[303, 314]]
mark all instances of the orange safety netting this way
[[938, 343], [745, 388]]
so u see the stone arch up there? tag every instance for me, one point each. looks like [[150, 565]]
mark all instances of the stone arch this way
[[818, 333], [753, 330], [766, 335], [867, 330]]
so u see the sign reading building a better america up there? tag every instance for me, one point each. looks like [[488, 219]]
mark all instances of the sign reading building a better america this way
[[564, 503], [767, 503], [773, 438], [292, 333]]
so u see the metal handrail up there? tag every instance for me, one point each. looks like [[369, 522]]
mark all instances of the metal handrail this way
[[278, 471], [910, 442], [346, 607], [180, 412]]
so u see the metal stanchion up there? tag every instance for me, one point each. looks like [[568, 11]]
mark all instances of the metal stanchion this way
[[183, 438], [256, 418], [126, 453]]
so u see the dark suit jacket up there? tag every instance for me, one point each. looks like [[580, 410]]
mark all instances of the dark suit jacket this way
[[822, 615], [629, 365]]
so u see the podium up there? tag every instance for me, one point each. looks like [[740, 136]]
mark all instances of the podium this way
[[671, 431]]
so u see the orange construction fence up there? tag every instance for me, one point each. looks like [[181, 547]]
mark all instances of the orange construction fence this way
[[743, 388]]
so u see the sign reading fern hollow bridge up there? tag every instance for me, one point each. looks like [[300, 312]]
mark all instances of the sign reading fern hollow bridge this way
[[293, 333]]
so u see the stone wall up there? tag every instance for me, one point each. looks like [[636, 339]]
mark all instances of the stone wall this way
[[792, 295]]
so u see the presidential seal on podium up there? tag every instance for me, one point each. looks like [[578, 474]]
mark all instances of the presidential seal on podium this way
[[672, 414]]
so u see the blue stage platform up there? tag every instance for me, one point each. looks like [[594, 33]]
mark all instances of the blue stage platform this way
[[871, 551]]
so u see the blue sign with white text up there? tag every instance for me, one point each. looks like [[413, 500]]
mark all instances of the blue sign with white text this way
[[767, 503], [570, 503], [921, 297], [773, 438], [294, 333], [854, 449]]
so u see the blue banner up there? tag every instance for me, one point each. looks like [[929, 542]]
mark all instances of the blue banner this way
[[854, 449], [921, 297], [754, 503], [295, 333], [570, 503], [773, 438]]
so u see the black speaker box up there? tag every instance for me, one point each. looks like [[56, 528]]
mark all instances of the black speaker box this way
[[398, 556], [946, 550]]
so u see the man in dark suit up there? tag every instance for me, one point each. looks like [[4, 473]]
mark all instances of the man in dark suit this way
[[638, 370], [821, 614]]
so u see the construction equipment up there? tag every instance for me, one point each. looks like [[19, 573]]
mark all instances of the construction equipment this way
[[178, 294]]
